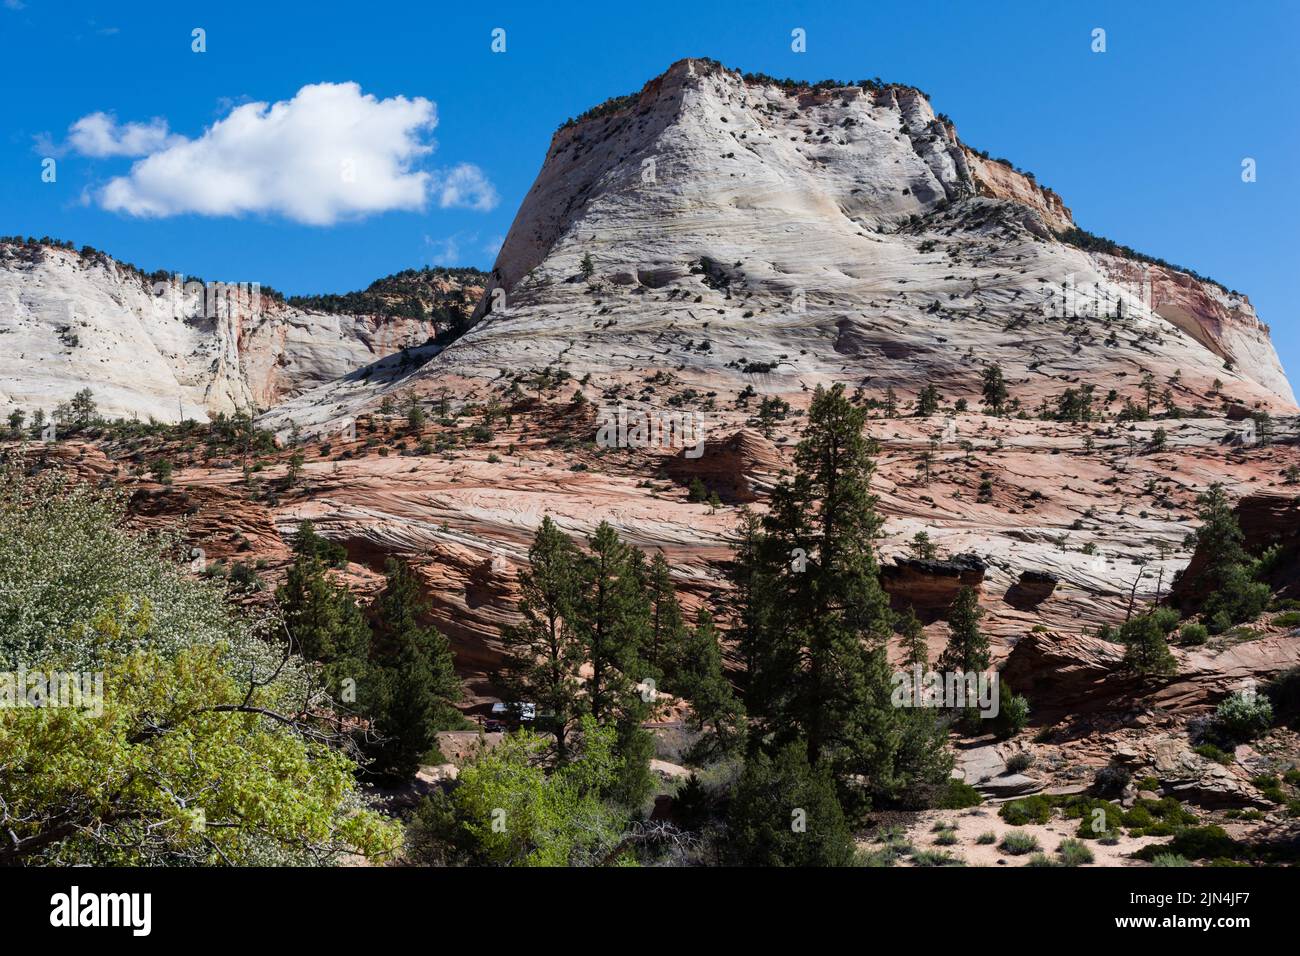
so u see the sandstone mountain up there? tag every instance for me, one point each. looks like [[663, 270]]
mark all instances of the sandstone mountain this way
[[710, 243], [169, 347], [747, 232]]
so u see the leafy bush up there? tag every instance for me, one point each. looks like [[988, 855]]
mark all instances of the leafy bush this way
[[1013, 712], [1194, 633], [1018, 843], [1111, 779], [1243, 716], [936, 858], [1289, 619], [1283, 692], [1195, 843], [1211, 752], [958, 795], [202, 697], [1026, 810], [1020, 762], [1098, 819], [1074, 853], [987, 838]]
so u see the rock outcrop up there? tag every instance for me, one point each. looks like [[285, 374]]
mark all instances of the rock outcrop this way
[[1032, 589], [1078, 675], [930, 586], [740, 467], [165, 348], [1266, 519]]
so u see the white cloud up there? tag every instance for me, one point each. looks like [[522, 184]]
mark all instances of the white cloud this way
[[466, 186], [100, 135], [329, 153]]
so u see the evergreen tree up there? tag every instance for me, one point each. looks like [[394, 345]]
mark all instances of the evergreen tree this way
[[994, 389], [785, 813], [968, 648], [543, 655], [820, 675], [715, 711], [610, 623], [1146, 647], [927, 401], [417, 685], [326, 626], [891, 402], [667, 635], [749, 585], [1228, 577], [915, 651]]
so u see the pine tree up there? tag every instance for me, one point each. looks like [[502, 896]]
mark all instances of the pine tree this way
[[667, 636], [326, 625], [994, 389], [785, 813], [715, 711], [418, 685], [915, 651], [820, 675], [927, 401], [968, 648], [543, 655], [1146, 646], [610, 623]]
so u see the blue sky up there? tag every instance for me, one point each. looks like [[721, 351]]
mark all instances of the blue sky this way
[[1144, 141]]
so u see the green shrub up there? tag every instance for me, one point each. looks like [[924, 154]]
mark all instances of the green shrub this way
[[946, 838], [1169, 859], [1042, 859], [1270, 787], [958, 795], [1035, 809], [1217, 754], [936, 858], [1195, 843], [1194, 633], [1243, 716], [1111, 779], [1283, 692], [1289, 619], [1074, 853], [1098, 819], [987, 838], [1018, 843], [1020, 762], [1013, 712]]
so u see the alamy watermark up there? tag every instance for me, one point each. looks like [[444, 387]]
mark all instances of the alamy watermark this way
[[214, 299], [952, 690], [653, 428], [83, 690]]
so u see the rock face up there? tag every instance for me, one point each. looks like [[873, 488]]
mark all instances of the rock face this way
[[745, 235], [1188, 776], [1266, 519], [1032, 589], [1074, 674], [930, 587], [739, 467], [155, 347]]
